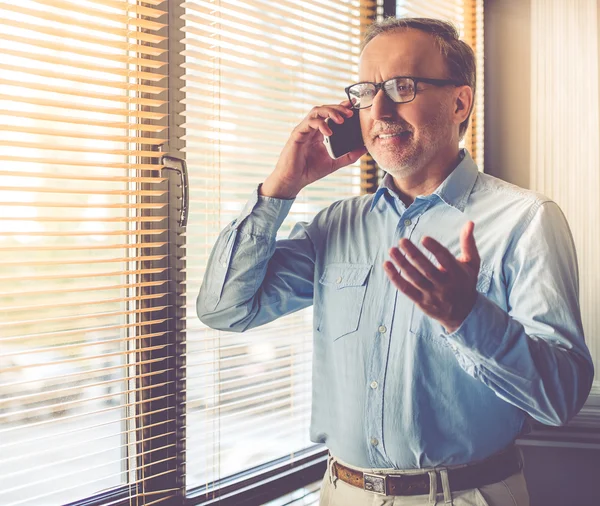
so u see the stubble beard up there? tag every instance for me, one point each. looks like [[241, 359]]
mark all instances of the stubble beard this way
[[406, 161]]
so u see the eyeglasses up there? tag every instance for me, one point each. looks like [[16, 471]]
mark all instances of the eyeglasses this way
[[400, 90]]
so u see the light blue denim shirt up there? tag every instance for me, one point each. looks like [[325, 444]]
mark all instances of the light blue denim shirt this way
[[391, 389]]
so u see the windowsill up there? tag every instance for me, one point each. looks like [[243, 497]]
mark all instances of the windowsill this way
[[266, 482], [581, 432]]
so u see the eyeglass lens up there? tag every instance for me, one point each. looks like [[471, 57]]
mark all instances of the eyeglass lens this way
[[401, 89]]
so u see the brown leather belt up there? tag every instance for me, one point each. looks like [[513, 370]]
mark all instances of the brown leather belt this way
[[492, 470]]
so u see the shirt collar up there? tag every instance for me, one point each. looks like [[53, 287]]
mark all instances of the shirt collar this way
[[454, 190]]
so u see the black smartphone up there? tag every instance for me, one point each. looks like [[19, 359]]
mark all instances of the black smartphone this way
[[345, 138]]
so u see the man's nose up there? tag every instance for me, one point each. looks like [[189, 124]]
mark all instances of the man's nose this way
[[383, 107]]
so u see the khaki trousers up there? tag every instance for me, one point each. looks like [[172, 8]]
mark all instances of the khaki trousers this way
[[509, 492]]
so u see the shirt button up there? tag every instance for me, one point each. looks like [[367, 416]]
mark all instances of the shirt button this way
[[338, 280], [374, 441], [407, 223], [374, 385], [382, 329]]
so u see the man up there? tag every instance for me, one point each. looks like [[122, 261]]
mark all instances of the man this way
[[429, 356]]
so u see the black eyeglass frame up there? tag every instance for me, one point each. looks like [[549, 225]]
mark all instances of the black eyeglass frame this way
[[415, 80]]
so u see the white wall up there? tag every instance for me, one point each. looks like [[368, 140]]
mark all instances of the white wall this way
[[507, 89]]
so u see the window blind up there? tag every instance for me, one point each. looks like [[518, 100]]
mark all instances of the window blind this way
[[253, 70], [467, 16], [82, 105]]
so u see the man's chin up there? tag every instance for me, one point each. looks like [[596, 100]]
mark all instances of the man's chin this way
[[399, 153], [396, 163]]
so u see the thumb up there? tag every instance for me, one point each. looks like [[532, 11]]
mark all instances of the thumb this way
[[470, 254]]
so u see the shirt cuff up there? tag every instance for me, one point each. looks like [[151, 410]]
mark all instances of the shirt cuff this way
[[483, 329], [263, 215]]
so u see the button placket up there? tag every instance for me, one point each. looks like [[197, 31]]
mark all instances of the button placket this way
[[374, 421], [376, 373]]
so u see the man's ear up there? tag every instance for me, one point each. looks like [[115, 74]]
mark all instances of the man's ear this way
[[463, 100]]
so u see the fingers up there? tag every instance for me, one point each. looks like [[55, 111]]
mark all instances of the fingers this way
[[315, 124], [401, 284], [468, 247], [337, 112], [409, 272], [316, 118], [442, 255], [421, 262]]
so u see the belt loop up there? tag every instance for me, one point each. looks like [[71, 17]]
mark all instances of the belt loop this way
[[432, 488], [332, 475], [446, 487]]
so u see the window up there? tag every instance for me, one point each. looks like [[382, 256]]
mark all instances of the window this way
[[252, 72], [81, 281]]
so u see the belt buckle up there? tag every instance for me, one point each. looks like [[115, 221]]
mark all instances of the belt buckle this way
[[375, 483]]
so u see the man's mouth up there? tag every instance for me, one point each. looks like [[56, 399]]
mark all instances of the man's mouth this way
[[403, 135]]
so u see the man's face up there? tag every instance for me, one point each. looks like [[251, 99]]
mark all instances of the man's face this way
[[405, 138]]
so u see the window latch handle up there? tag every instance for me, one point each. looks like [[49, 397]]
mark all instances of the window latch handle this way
[[179, 165]]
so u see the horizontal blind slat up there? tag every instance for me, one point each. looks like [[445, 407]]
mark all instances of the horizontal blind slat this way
[[55, 306], [71, 134], [80, 37], [96, 25], [104, 69], [283, 75], [119, 111], [78, 78]]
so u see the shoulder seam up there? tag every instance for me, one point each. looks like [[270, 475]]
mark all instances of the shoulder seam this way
[[537, 203]]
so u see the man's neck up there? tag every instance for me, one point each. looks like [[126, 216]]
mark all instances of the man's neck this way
[[426, 181]]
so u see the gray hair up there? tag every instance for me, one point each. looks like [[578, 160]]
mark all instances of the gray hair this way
[[460, 58]]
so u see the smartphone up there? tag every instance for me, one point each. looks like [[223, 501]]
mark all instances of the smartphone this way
[[345, 137]]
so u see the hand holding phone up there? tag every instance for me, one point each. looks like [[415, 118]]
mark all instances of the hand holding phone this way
[[345, 138], [305, 158]]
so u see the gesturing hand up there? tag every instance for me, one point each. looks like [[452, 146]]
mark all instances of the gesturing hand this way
[[446, 293]]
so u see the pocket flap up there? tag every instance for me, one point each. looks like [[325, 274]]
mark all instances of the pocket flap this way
[[343, 275]]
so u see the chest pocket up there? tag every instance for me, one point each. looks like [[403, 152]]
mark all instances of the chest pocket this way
[[423, 325], [343, 288]]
